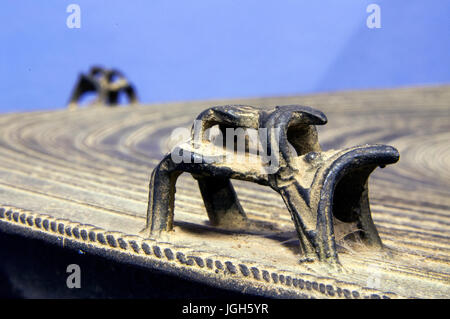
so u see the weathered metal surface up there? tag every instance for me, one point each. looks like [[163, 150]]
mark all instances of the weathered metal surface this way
[[80, 179], [325, 192]]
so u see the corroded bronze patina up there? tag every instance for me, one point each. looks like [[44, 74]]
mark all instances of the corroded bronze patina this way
[[78, 182], [323, 190], [106, 83]]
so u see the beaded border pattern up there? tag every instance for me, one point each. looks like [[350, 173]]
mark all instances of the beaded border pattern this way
[[307, 287]]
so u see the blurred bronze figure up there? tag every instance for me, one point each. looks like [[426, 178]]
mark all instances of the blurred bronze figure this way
[[106, 83]]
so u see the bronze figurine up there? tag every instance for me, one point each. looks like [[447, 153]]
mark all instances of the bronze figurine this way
[[323, 190], [106, 83]]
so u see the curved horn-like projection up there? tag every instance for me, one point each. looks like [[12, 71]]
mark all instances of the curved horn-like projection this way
[[232, 116], [324, 192], [339, 191], [293, 125]]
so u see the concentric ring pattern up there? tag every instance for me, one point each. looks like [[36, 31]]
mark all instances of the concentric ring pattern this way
[[92, 166]]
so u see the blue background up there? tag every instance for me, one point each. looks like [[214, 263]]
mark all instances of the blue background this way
[[204, 49]]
